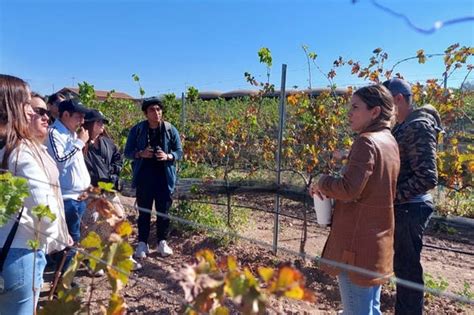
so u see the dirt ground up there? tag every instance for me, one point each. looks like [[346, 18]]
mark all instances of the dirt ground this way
[[153, 291]]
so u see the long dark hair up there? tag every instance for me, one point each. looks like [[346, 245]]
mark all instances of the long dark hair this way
[[14, 126], [89, 126]]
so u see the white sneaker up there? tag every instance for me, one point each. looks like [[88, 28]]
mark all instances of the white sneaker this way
[[99, 273], [142, 250], [136, 264], [164, 249]]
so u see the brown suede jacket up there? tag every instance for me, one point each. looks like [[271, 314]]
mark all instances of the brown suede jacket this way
[[363, 219]]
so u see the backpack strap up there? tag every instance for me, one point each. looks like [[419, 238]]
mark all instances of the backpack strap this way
[[11, 235], [168, 130], [9, 240]]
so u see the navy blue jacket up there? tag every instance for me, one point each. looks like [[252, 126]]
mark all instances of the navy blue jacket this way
[[137, 141]]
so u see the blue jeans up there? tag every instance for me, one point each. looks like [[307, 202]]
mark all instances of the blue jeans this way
[[74, 210], [17, 297], [411, 220], [358, 300]]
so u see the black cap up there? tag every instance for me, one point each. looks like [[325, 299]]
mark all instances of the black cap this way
[[95, 115], [73, 106], [151, 101]]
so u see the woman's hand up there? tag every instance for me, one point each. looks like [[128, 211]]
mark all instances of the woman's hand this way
[[84, 195], [340, 155], [314, 189], [70, 241]]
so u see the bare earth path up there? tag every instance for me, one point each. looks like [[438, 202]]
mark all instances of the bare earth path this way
[[144, 294]]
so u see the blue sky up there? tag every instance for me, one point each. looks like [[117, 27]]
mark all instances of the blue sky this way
[[210, 44]]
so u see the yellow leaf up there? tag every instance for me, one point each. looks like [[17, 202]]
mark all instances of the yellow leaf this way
[[265, 273], [92, 240], [292, 99], [421, 56], [124, 229], [208, 256], [287, 276], [471, 167], [231, 263], [117, 305], [296, 293], [249, 276], [221, 310]]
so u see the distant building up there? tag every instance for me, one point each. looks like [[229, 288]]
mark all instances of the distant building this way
[[100, 95]]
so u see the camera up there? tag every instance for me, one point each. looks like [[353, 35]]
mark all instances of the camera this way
[[156, 148]]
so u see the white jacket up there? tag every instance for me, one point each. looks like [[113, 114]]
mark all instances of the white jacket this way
[[66, 149], [28, 161]]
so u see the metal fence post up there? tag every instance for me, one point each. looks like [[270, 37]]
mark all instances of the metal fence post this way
[[183, 111], [278, 157]]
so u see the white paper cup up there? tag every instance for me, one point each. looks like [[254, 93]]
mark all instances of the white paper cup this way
[[323, 210]]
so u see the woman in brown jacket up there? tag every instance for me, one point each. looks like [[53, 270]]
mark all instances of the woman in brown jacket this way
[[363, 220]]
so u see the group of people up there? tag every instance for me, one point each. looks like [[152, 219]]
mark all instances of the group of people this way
[[62, 148], [383, 203]]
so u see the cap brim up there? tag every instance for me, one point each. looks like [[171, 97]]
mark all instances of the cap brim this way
[[81, 109], [105, 120]]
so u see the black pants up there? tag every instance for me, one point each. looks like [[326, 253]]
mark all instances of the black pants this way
[[411, 220], [146, 195]]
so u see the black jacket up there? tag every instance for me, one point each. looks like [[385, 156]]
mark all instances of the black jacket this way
[[104, 164]]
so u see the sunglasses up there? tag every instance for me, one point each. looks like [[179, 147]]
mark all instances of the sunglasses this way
[[41, 111]]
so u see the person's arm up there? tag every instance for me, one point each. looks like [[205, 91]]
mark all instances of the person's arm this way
[[116, 161], [63, 152], [359, 169], [419, 147], [131, 149], [40, 192], [176, 150]]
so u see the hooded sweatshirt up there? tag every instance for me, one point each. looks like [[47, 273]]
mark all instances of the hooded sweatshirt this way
[[417, 139]]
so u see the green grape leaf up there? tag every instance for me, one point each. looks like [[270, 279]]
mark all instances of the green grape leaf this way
[[42, 211], [92, 240], [109, 187], [33, 244]]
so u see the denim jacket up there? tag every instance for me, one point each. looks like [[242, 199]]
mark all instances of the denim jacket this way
[[137, 141]]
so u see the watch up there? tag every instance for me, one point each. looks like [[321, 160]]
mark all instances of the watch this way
[[170, 157]]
